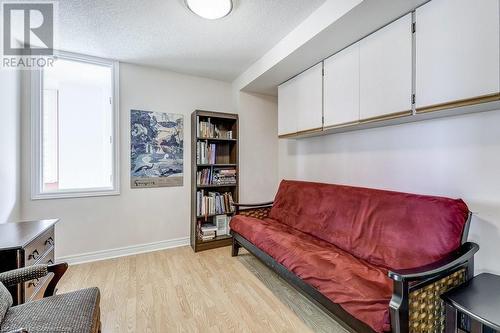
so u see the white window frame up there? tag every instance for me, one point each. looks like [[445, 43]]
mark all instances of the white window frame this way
[[37, 192]]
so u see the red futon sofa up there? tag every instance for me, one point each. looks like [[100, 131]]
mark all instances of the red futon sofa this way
[[376, 261]]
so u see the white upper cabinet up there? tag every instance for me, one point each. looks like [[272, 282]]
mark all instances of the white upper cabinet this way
[[451, 60], [309, 98], [457, 51], [300, 102], [341, 87], [287, 110], [386, 70]]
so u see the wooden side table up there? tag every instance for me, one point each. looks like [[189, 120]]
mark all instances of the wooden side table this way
[[24, 244], [479, 300]]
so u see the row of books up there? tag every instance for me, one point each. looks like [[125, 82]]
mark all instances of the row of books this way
[[208, 130], [205, 152], [213, 203], [210, 176], [219, 227]]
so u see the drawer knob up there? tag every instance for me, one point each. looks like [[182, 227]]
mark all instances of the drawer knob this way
[[49, 241], [34, 255]]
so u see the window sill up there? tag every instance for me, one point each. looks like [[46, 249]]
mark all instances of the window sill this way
[[74, 195]]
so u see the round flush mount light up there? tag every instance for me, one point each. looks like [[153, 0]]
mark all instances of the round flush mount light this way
[[210, 9]]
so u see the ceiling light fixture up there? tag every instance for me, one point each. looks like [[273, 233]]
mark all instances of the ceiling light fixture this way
[[210, 9]]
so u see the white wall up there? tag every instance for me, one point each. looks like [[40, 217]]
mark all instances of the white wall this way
[[10, 113], [454, 157], [137, 216], [258, 146]]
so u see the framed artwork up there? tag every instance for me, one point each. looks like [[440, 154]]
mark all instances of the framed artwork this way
[[156, 149]]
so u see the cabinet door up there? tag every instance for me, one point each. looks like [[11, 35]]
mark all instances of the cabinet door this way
[[386, 70], [457, 50], [309, 86], [300, 102], [287, 108], [341, 87]]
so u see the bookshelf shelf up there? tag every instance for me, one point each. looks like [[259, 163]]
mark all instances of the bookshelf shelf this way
[[212, 215], [223, 237], [217, 165], [214, 152], [215, 243], [217, 139], [216, 186]]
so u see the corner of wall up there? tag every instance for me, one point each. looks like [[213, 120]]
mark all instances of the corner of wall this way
[[10, 144], [258, 145]]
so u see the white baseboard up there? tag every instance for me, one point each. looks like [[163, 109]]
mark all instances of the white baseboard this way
[[123, 251]]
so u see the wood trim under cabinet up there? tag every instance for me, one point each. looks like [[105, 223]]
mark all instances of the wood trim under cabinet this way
[[310, 131], [288, 135], [460, 103], [370, 120], [304, 132], [386, 117], [349, 123]]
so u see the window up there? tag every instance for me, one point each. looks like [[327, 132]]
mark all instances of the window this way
[[75, 128]]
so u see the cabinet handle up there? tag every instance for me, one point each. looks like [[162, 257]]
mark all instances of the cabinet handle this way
[[34, 255], [50, 262], [49, 241]]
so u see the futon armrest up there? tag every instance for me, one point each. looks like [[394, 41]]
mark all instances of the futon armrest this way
[[457, 258], [258, 210]]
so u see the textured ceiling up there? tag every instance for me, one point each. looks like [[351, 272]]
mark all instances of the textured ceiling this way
[[165, 34]]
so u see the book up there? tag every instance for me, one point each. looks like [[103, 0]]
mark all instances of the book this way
[[206, 237], [208, 227], [206, 153], [213, 203]]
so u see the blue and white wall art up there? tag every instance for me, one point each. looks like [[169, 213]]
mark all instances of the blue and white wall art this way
[[156, 149]]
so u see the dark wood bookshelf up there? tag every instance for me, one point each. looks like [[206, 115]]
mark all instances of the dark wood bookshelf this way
[[226, 157]]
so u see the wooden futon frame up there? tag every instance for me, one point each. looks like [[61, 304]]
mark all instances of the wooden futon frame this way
[[415, 305]]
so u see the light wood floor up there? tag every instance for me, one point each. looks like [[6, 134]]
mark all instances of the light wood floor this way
[[177, 290]]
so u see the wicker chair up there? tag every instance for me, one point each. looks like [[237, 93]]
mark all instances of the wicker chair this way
[[76, 312]]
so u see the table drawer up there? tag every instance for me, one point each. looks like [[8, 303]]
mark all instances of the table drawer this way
[[34, 289], [39, 247]]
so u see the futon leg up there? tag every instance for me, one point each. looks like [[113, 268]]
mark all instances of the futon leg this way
[[235, 248]]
